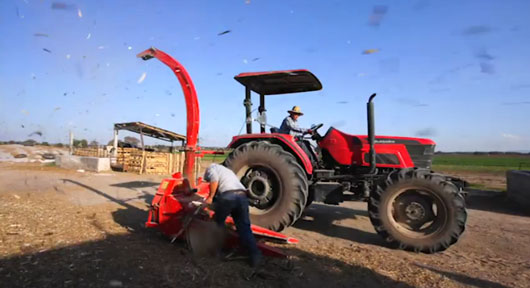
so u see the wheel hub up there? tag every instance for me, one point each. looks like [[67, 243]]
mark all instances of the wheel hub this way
[[259, 188], [415, 211]]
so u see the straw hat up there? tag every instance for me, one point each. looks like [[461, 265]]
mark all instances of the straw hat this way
[[296, 110]]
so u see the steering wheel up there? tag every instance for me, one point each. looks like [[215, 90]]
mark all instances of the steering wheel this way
[[314, 128]]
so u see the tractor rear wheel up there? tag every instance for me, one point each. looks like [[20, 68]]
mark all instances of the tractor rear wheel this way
[[277, 184], [417, 210]]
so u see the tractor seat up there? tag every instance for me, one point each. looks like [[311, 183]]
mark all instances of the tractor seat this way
[[275, 130]]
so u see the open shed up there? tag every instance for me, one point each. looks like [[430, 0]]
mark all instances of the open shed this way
[[147, 130], [141, 161]]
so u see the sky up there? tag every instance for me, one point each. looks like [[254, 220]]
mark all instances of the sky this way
[[456, 72]]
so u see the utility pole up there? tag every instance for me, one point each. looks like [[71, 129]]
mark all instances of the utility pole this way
[[71, 142]]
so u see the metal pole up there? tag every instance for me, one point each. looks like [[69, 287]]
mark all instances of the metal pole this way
[[142, 165], [248, 109], [115, 143], [262, 112], [71, 142], [371, 133], [142, 139]]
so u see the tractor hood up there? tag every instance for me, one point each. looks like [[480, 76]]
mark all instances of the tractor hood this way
[[280, 82]]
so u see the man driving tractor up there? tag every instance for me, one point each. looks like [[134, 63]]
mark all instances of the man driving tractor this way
[[290, 123], [290, 126]]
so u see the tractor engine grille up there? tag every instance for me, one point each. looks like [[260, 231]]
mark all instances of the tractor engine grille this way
[[421, 155]]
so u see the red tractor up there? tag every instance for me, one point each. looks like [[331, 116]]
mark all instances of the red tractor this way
[[409, 205]]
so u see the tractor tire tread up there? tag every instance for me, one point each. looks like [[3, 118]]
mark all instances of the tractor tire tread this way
[[447, 187]]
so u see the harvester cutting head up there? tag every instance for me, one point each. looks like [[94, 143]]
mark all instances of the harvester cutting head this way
[[177, 208]]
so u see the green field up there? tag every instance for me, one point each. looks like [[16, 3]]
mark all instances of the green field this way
[[215, 158], [497, 164]]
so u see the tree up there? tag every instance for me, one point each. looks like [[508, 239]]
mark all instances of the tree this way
[[45, 144], [80, 143], [131, 140], [94, 143]]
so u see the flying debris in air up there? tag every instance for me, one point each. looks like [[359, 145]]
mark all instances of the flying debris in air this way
[[426, 132], [172, 114], [477, 30], [47, 50], [41, 35], [377, 15], [255, 59], [62, 6], [35, 133], [22, 126], [142, 78], [483, 55], [342, 102], [487, 68], [224, 32], [79, 13], [370, 51]]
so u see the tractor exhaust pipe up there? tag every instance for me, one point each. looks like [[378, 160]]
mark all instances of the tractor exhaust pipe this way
[[371, 133]]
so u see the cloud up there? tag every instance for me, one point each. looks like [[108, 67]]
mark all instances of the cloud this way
[[516, 103], [510, 136], [484, 55], [443, 76], [519, 86], [411, 102], [426, 132]]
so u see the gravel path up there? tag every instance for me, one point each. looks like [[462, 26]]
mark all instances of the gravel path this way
[[61, 228]]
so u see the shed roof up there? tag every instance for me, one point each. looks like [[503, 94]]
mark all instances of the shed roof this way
[[151, 131]]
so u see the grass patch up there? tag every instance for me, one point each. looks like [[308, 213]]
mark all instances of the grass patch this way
[[493, 164], [215, 157], [480, 186], [51, 164], [507, 161]]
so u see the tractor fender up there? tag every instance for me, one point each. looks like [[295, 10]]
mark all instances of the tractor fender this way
[[286, 141]]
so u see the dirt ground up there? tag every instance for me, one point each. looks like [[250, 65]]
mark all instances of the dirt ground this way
[[61, 228]]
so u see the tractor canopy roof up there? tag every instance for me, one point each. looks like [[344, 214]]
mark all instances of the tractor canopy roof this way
[[280, 82]]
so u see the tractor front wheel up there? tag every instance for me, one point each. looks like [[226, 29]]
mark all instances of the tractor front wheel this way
[[417, 210], [277, 184]]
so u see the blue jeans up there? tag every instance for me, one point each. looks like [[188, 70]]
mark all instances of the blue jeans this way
[[236, 205]]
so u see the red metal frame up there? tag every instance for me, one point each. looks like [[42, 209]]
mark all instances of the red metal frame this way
[[283, 138], [192, 106], [173, 202], [172, 205]]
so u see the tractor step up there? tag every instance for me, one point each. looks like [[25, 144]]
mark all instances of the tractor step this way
[[328, 192], [323, 173]]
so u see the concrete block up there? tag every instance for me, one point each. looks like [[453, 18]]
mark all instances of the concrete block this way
[[93, 164], [518, 182]]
